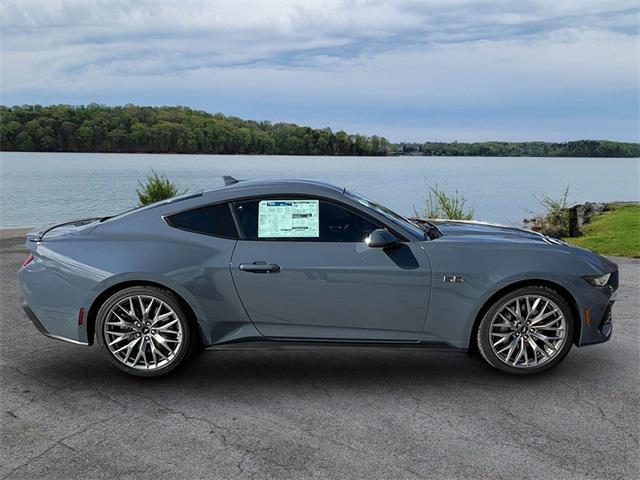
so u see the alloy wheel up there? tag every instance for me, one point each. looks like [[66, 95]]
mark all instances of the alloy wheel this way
[[528, 331], [143, 332]]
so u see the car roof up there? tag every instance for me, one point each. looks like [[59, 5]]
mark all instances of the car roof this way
[[247, 188]]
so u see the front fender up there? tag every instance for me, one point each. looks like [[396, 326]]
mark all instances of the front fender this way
[[515, 281], [487, 269]]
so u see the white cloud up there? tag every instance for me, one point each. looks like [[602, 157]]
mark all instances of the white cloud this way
[[329, 62]]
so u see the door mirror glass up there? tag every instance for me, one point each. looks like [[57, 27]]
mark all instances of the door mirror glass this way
[[381, 238]]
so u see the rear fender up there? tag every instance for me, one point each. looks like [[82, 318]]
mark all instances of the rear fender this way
[[142, 278]]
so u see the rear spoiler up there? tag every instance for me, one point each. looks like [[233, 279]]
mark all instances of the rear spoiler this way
[[38, 234], [229, 180]]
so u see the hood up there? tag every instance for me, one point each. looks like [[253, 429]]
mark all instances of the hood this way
[[488, 231], [456, 230]]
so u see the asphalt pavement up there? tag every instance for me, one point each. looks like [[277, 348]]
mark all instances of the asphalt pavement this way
[[336, 413]]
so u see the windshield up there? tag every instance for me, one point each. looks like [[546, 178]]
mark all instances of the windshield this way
[[388, 213]]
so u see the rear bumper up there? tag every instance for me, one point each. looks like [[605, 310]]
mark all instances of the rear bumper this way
[[53, 296], [41, 328]]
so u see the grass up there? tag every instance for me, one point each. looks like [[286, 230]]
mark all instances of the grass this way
[[555, 222], [616, 232], [439, 204]]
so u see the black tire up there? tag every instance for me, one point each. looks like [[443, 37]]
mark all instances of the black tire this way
[[484, 338], [188, 330]]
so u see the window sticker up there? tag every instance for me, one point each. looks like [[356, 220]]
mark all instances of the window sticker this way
[[288, 219]]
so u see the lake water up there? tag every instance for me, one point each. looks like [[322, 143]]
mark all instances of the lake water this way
[[39, 188]]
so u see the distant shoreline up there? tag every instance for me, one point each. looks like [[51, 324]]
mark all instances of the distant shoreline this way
[[130, 129], [178, 154]]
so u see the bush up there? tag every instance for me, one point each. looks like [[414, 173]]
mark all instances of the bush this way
[[555, 221], [156, 188], [439, 204]]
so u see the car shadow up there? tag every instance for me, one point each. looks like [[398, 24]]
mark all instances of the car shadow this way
[[279, 372]]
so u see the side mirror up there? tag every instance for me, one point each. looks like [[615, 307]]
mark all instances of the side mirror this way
[[381, 238]]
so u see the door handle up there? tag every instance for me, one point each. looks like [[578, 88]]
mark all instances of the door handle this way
[[260, 267]]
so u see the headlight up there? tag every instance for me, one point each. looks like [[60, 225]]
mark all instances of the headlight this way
[[598, 280]]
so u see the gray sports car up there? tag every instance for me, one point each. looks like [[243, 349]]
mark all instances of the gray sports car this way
[[290, 263]]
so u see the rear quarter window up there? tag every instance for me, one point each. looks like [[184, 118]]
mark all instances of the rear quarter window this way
[[214, 220]]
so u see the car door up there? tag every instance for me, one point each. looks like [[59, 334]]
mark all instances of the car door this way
[[302, 270]]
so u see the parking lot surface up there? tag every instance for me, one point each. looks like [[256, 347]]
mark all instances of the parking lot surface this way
[[336, 413]]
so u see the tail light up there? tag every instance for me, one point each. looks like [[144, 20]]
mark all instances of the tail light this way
[[28, 261]]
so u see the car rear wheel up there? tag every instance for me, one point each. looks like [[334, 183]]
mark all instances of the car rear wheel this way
[[527, 331], [145, 331]]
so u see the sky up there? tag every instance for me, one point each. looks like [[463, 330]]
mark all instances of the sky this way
[[432, 70]]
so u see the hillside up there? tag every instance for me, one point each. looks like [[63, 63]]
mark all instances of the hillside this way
[[137, 129]]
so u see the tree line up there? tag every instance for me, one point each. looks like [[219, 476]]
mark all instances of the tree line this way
[[136, 129], [578, 148]]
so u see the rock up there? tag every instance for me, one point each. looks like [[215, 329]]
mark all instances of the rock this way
[[579, 215], [588, 210]]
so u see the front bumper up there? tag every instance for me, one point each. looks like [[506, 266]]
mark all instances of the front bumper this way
[[41, 328], [597, 316]]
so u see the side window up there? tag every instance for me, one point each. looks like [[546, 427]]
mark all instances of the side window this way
[[215, 220], [338, 224], [301, 220]]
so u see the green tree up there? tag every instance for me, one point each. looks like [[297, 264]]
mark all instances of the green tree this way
[[132, 128]]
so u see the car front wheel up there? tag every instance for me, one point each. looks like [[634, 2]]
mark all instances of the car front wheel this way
[[144, 331], [527, 331]]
